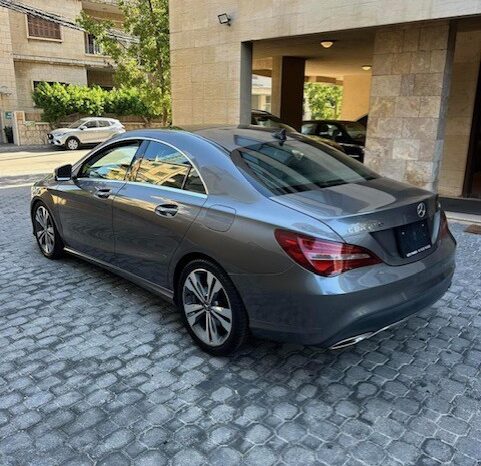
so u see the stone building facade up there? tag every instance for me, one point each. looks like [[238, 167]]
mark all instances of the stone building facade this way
[[423, 58], [32, 51]]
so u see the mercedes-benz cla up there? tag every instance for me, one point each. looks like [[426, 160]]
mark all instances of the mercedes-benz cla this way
[[251, 231]]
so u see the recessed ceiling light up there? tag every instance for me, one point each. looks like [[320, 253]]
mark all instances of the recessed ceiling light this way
[[327, 44], [366, 67]]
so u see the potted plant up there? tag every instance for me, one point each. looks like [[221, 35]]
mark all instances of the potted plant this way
[[8, 134]]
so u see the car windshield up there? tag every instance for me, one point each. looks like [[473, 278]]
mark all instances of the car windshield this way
[[295, 166], [77, 123], [355, 130]]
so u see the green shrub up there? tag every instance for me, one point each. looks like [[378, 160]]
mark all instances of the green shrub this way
[[58, 101]]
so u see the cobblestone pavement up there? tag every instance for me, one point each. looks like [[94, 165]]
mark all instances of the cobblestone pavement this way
[[94, 370]]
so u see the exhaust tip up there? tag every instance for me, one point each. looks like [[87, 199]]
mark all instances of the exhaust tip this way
[[363, 336], [351, 341]]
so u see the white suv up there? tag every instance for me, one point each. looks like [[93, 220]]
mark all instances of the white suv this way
[[86, 131]]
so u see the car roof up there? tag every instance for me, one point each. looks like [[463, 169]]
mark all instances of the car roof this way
[[228, 137], [98, 118]]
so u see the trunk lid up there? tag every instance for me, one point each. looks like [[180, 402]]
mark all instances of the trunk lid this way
[[368, 214]]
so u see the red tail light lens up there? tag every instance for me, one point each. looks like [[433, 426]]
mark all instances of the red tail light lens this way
[[322, 257]]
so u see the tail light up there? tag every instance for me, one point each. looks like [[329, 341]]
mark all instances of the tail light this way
[[326, 258]]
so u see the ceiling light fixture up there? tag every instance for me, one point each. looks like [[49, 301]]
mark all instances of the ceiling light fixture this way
[[327, 44], [224, 18], [366, 67]]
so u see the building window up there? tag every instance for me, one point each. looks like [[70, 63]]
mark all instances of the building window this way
[[91, 45], [42, 29]]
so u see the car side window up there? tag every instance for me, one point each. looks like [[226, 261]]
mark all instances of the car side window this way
[[163, 165], [112, 163], [193, 182], [91, 124], [309, 128], [104, 124]]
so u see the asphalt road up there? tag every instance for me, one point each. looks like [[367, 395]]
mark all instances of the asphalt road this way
[[35, 161]]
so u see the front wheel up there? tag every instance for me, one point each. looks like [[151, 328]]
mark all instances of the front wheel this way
[[72, 143], [46, 234], [211, 308]]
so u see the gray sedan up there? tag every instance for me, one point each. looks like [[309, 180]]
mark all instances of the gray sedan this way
[[251, 231]]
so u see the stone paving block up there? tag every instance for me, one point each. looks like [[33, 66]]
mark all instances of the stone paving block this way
[[95, 370]]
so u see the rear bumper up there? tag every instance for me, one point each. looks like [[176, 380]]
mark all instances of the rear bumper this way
[[300, 307]]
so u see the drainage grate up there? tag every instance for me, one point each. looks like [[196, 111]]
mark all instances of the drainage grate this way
[[475, 229]]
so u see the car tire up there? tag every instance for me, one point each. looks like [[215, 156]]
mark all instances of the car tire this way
[[211, 308], [46, 233], [72, 143]]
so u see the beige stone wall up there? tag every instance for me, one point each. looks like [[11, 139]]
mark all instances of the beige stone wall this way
[[26, 73], [411, 67], [206, 55], [71, 46], [29, 132], [356, 95], [460, 112]]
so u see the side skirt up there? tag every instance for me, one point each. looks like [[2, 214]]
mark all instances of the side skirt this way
[[168, 295]]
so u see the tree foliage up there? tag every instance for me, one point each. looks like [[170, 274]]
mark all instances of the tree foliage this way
[[325, 100], [58, 101], [143, 63]]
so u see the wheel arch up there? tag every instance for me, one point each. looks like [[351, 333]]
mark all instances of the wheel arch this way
[[50, 206], [183, 261]]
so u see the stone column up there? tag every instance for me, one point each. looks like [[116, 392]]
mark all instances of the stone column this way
[[410, 84], [288, 89]]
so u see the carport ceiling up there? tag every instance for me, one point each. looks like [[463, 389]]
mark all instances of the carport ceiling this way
[[350, 52]]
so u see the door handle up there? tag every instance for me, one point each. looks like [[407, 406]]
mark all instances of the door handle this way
[[102, 193], [167, 210]]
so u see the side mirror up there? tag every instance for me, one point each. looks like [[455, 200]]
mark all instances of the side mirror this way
[[63, 173], [81, 128]]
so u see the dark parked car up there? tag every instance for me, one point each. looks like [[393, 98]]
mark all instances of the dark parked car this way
[[350, 135], [251, 230], [268, 120]]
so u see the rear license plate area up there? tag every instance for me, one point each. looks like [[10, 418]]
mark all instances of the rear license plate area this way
[[413, 239]]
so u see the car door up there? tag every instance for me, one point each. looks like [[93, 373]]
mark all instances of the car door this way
[[153, 211], [105, 130], [85, 203], [89, 132]]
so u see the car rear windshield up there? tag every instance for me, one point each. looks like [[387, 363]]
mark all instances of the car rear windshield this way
[[294, 166]]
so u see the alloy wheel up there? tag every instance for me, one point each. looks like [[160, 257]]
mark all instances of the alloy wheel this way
[[72, 144], [207, 307], [44, 230]]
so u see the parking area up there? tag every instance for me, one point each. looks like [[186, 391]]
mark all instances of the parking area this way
[[95, 370]]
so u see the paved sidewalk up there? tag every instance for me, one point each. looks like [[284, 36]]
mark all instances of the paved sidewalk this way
[[12, 148], [95, 370], [36, 161]]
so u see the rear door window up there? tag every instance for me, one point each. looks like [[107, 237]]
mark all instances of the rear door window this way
[[164, 165]]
